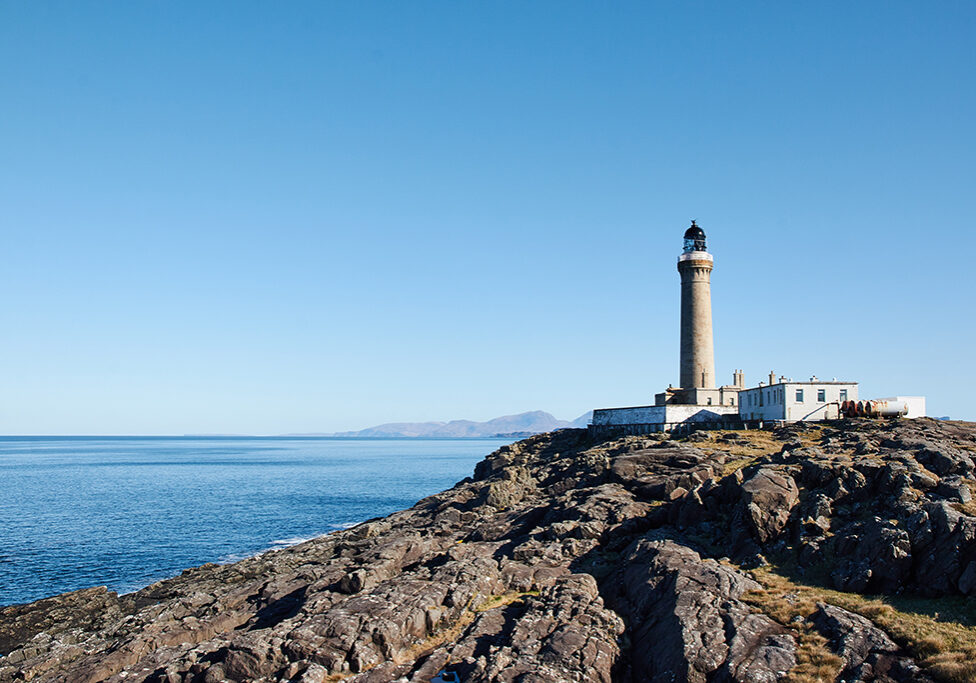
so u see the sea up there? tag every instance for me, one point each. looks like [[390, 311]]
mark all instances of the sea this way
[[124, 512]]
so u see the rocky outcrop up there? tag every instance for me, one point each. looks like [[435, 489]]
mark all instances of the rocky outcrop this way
[[767, 500], [687, 624], [562, 559], [867, 651]]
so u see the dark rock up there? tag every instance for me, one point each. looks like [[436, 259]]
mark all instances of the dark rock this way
[[955, 488], [767, 499], [868, 653], [875, 556], [687, 623]]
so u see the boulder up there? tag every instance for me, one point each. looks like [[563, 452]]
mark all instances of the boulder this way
[[767, 498], [874, 556], [687, 623], [868, 653]]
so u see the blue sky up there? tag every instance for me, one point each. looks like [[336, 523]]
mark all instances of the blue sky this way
[[269, 218]]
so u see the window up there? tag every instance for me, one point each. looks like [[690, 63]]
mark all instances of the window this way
[[799, 395], [709, 401], [821, 395], [731, 401], [843, 394]]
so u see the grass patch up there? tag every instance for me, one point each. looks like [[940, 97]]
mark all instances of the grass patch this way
[[435, 640], [940, 633], [814, 659], [970, 507], [965, 508], [496, 601], [812, 435], [733, 466], [759, 443]]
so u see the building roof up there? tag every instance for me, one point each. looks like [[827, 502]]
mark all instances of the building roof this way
[[694, 232], [788, 381]]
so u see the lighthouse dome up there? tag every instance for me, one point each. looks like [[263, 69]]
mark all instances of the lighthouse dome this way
[[694, 232], [694, 239]]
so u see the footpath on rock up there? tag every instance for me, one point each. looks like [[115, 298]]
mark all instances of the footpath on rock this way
[[812, 552]]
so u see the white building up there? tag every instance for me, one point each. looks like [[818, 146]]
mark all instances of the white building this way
[[698, 403], [795, 401], [662, 418]]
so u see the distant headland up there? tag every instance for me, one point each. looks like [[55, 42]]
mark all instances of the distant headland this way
[[516, 426]]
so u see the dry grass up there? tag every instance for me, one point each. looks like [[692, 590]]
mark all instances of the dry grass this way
[[966, 508], [970, 507], [760, 443], [812, 435], [814, 659], [732, 466], [940, 633], [496, 601], [436, 639]]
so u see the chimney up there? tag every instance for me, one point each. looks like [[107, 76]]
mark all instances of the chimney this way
[[772, 378]]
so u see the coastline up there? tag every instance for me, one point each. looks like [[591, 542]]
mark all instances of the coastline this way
[[127, 512], [564, 558]]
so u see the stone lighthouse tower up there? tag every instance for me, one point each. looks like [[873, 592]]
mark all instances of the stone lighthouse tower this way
[[697, 351]]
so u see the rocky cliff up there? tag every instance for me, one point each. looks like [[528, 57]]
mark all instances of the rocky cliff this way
[[811, 552]]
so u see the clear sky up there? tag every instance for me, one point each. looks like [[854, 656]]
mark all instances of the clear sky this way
[[314, 216]]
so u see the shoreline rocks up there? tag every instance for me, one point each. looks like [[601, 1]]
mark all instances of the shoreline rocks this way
[[562, 559]]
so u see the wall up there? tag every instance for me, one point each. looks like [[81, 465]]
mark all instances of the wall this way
[[779, 401], [678, 413], [771, 409], [622, 416], [811, 408], [648, 419]]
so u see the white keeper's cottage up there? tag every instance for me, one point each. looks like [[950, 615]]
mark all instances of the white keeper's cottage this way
[[784, 399]]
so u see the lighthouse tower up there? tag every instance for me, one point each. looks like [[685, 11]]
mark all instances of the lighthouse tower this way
[[697, 351]]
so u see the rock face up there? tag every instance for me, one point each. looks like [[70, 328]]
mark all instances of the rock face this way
[[687, 623], [562, 559], [868, 652]]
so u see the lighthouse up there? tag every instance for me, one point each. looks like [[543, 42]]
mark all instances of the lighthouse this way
[[698, 403], [697, 350]]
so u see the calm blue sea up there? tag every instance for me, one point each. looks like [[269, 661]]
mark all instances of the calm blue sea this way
[[124, 512]]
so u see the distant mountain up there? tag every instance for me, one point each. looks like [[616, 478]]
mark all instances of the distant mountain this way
[[582, 420], [534, 422]]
